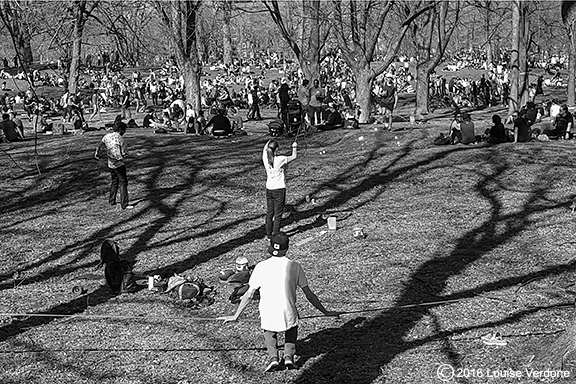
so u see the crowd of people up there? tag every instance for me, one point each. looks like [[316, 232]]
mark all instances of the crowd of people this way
[[234, 93], [556, 124]]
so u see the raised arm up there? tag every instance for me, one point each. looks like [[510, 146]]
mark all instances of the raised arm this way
[[293, 155]]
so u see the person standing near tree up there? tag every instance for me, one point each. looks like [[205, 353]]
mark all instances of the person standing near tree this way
[[125, 103], [254, 101], [303, 95], [316, 99], [283, 99], [96, 106], [389, 98], [116, 152], [277, 278]]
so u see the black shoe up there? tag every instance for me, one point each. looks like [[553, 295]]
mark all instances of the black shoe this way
[[272, 365]]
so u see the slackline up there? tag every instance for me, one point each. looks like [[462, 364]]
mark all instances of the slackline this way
[[99, 317]]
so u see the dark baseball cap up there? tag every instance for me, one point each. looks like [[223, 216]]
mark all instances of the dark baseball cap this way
[[278, 244]]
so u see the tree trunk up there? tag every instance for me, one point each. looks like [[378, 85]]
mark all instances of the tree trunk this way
[[311, 51], [226, 33], [489, 55], [422, 91], [514, 104], [524, 31], [364, 79], [310, 69], [571, 92], [74, 72], [24, 47], [180, 21], [191, 75]]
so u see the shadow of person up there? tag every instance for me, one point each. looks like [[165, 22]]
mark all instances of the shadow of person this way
[[325, 341]]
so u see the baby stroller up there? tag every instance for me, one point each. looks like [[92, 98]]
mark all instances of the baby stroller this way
[[276, 127], [295, 117]]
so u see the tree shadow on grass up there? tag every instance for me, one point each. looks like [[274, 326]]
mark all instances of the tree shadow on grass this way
[[387, 331], [368, 187], [167, 213]]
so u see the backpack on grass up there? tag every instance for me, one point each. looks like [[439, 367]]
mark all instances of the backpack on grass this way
[[188, 288]]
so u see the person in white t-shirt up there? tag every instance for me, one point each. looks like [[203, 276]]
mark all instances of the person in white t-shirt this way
[[275, 184], [277, 279]]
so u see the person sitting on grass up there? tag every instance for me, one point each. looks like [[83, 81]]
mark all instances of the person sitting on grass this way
[[531, 113], [554, 108], [277, 279], [18, 122], [497, 133], [220, 125], [236, 120], [200, 123], [455, 133], [10, 129], [521, 127], [334, 121], [177, 115], [149, 118], [467, 129], [562, 125]]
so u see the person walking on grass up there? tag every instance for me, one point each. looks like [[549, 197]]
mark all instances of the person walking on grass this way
[[96, 106], [116, 152], [275, 184], [277, 279], [389, 99]]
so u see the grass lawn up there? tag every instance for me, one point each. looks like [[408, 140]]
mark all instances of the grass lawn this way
[[485, 230]]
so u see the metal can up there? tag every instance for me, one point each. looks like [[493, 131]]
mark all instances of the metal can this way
[[241, 264]]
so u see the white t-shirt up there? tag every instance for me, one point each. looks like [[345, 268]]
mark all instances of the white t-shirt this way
[[275, 176], [554, 110], [277, 278]]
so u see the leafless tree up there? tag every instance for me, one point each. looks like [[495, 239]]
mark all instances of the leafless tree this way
[[306, 41], [80, 11], [358, 28], [13, 16], [179, 19], [431, 34]]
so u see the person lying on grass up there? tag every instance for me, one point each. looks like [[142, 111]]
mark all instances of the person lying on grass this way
[[277, 279]]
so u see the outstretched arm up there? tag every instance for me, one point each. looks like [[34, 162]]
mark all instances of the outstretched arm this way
[[315, 301], [243, 303]]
